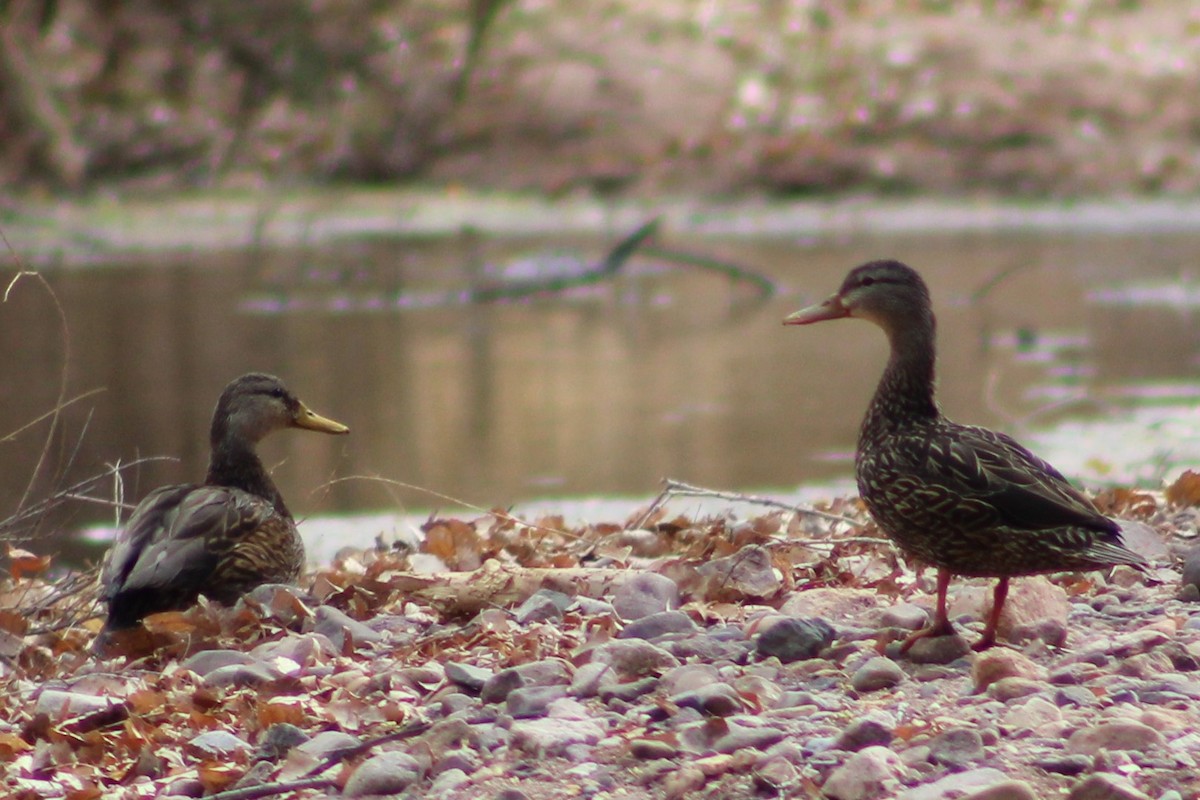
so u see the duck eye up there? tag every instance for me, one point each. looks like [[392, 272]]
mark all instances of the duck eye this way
[[276, 392], [868, 281]]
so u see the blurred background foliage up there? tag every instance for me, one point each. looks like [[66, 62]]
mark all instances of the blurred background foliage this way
[[1050, 98]]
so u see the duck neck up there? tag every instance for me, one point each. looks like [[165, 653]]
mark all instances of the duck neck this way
[[906, 391], [235, 463]]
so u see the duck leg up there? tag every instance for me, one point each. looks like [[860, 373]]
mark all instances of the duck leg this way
[[941, 621], [989, 632]]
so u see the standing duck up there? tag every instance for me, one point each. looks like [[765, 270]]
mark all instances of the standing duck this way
[[967, 500], [220, 538]]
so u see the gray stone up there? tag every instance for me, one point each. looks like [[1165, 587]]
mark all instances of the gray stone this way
[[339, 627], [468, 676], [1029, 715], [304, 649], [650, 749], [532, 701], [1008, 790], [58, 704], [278, 740], [1119, 735], [867, 775], [240, 675], [645, 594], [217, 744], [551, 735], [878, 673], [387, 773], [447, 784], [541, 606], [1064, 764], [590, 679], [206, 661], [547, 672], [688, 677], [905, 615], [956, 748], [792, 639], [715, 699], [659, 624], [937, 649], [632, 657], [956, 785], [327, 742], [1014, 688], [876, 729], [1104, 786], [745, 737], [750, 572], [628, 691]]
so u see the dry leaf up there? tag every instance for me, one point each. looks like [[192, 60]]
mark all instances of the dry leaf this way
[[23, 563], [1185, 491]]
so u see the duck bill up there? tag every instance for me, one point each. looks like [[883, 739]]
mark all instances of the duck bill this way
[[310, 420], [832, 308]]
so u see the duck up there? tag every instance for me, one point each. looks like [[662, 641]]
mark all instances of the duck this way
[[220, 538], [967, 500]]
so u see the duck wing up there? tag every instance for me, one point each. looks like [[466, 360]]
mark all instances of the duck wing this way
[[177, 537], [1024, 491]]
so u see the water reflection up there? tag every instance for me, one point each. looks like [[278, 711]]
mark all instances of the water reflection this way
[[605, 391]]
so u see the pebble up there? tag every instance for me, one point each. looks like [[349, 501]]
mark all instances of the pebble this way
[[876, 729], [304, 649], [629, 691], [532, 701], [748, 573], [326, 742], [1064, 764], [217, 744], [956, 785], [829, 603], [956, 748], [447, 784], [390, 772], [792, 639], [58, 704], [715, 699], [659, 624], [999, 663], [650, 749], [744, 737], [339, 627], [1191, 570], [909, 616], [1121, 735], [689, 677], [878, 673], [1013, 688], [241, 675], [871, 773], [206, 661], [590, 679], [1008, 790], [645, 594], [551, 736], [543, 605], [547, 672], [1103, 786], [936, 649], [631, 657], [1029, 716], [468, 676], [1033, 604], [278, 740]]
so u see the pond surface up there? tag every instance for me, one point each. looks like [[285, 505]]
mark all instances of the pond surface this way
[[1085, 346]]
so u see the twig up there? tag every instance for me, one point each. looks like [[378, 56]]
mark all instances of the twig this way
[[269, 789], [341, 754], [674, 488]]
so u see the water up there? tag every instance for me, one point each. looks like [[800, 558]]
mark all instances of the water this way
[[1085, 346]]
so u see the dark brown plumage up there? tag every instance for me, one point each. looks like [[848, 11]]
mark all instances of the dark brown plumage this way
[[965, 499], [220, 538]]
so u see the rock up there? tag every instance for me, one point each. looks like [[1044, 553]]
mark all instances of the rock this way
[[775, 775], [1000, 662], [748, 573], [532, 701], [1191, 570], [875, 729], [758, 691], [1064, 764], [591, 679], [829, 603], [1029, 715], [463, 760], [241, 675], [715, 699], [468, 676], [650, 749], [547, 672], [956, 748], [956, 785], [1008, 790], [909, 616], [541, 606], [631, 657], [645, 594], [1119, 735], [326, 742], [654, 625], [689, 677], [447, 784], [878, 673], [390, 772], [58, 704], [1013, 688], [340, 628], [1104, 786], [217, 744], [304, 649], [551, 736], [793, 639], [745, 737], [206, 661], [278, 740], [866, 775], [938, 649], [1031, 602], [629, 691], [1073, 696]]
